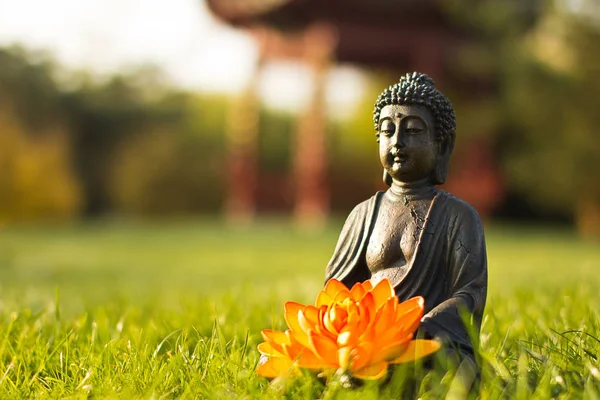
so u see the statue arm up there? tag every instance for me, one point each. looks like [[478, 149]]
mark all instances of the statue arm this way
[[467, 281], [347, 263]]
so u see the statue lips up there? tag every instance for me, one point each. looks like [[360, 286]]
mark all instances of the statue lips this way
[[399, 157]]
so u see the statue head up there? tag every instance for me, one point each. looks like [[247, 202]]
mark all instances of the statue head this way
[[415, 126]]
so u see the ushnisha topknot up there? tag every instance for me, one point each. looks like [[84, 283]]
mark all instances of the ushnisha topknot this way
[[418, 89]]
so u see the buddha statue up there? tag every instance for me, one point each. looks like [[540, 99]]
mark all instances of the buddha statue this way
[[426, 241]]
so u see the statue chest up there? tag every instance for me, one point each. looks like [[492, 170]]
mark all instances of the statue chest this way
[[394, 238]]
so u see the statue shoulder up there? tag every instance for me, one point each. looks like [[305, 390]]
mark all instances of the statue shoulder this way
[[462, 213], [367, 205], [465, 233], [364, 209]]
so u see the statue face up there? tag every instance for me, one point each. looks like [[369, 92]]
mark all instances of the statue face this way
[[407, 144]]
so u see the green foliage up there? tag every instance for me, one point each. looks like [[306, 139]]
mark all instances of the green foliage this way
[[36, 179], [552, 95], [27, 88], [143, 147], [129, 144], [168, 310], [543, 56], [175, 166]]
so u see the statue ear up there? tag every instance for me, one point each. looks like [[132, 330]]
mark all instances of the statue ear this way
[[387, 178], [445, 147]]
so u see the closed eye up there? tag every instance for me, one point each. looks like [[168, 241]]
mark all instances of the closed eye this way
[[387, 127], [414, 125]]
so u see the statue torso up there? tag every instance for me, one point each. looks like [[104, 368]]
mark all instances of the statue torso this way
[[395, 235]]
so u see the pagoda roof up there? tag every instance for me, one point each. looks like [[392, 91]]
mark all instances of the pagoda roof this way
[[296, 14], [373, 32]]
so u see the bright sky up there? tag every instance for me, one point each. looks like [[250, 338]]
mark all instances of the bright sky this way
[[181, 36]]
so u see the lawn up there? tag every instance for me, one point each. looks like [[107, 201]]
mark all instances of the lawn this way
[[169, 310]]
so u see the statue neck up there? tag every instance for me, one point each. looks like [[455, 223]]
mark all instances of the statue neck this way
[[418, 190]]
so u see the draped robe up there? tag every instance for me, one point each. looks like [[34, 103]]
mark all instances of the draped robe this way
[[448, 267]]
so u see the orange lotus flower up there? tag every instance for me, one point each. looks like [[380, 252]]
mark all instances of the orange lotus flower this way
[[360, 331]]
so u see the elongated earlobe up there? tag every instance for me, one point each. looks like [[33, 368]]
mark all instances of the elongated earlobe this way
[[446, 146], [387, 178], [440, 172]]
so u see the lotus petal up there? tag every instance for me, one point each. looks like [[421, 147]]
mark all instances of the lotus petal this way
[[338, 316], [353, 313], [292, 350], [368, 309], [269, 335], [312, 314], [323, 299], [274, 367], [344, 354], [323, 348], [324, 325], [357, 292], [304, 323], [347, 337], [333, 287], [361, 356], [382, 292], [391, 351], [410, 321], [342, 295], [386, 318], [410, 304], [393, 335], [291, 315], [372, 371], [416, 349], [328, 324], [271, 349], [308, 359]]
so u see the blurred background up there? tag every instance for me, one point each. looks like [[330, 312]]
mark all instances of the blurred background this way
[[200, 156], [143, 109]]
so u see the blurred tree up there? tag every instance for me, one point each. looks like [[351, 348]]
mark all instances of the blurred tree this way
[[129, 143], [546, 60], [101, 116], [27, 87], [36, 179], [174, 166], [551, 94]]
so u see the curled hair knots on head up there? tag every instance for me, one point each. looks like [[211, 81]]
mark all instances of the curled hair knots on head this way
[[418, 89]]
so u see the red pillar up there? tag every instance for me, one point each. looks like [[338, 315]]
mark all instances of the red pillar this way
[[242, 159], [310, 161]]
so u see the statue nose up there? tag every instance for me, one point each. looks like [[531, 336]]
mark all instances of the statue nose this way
[[398, 139]]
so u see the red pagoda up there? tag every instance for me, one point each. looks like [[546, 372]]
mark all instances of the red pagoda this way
[[398, 35]]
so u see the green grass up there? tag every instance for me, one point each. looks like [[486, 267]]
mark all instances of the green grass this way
[[175, 310]]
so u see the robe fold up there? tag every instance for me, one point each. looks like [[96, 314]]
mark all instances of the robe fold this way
[[448, 268]]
